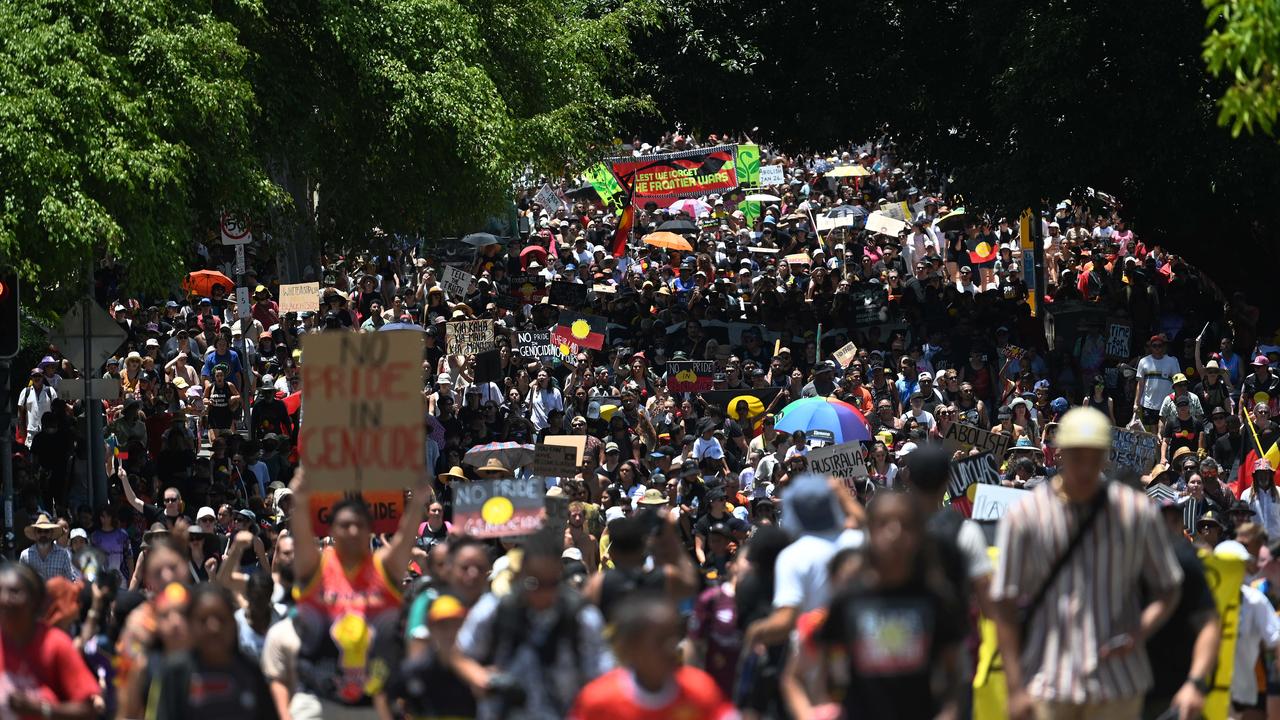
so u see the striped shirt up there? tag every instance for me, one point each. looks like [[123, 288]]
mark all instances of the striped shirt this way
[[1093, 599]]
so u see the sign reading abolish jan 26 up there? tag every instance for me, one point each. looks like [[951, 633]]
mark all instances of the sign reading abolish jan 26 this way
[[362, 399]]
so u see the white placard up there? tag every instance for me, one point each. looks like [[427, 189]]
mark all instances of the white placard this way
[[846, 461], [991, 501], [456, 282], [771, 175], [243, 308], [878, 222]]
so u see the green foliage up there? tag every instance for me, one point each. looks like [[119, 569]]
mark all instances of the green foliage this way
[[120, 122], [1243, 47], [126, 125]]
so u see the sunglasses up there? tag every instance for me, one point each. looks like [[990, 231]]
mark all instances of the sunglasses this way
[[170, 500]]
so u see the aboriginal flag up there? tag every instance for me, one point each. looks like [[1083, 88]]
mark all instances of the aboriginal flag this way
[[624, 231], [578, 329], [983, 250]]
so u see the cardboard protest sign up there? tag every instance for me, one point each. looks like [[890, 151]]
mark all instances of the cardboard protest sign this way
[[966, 437], [979, 469], [846, 354], [552, 460], [878, 222], [456, 282], [690, 375], [469, 337], [535, 344], [548, 199], [568, 294], [1118, 336], [846, 461], [300, 297], [991, 501], [362, 395], [825, 223], [691, 173], [499, 508], [899, 211], [771, 175], [1134, 449], [798, 259], [577, 442]]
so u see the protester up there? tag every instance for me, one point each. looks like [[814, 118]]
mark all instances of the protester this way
[[783, 313]]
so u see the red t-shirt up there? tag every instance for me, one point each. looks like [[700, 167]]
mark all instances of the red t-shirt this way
[[693, 695], [48, 666]]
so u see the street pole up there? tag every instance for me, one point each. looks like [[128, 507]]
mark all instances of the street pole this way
[[6, 461]]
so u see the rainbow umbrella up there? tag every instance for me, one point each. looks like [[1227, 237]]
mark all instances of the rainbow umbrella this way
[[837, 418]]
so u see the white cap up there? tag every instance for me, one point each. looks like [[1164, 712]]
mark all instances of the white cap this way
[[79, 533], [205, 512], [572, 553]]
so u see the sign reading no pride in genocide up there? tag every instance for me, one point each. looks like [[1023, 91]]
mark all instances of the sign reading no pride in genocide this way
[[846, 461], [362, 395], [499, 508], [300, 297], [966, 437], [690, 375], [1134, 449], [470, 337], [535, 344]]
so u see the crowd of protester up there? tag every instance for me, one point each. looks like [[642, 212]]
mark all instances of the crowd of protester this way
[[703, 571]]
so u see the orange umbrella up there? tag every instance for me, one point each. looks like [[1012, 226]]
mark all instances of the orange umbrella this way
[[201, 282], [668, 240]]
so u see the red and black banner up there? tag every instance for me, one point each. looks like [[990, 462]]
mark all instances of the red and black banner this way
[[578, 329], [982, 250], [675, 175]]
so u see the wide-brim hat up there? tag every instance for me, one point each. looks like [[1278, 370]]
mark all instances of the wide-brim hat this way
[[493, 464], [157, 529], [43, 522], [455, 473]]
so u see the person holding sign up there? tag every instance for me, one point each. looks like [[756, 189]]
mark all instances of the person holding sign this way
[[348, 604]]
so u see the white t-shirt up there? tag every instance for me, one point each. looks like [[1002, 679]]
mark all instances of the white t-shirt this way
[[543, 402], [703, 449], [36, 403], [801, 570], [1157, 376], [1258, 624]]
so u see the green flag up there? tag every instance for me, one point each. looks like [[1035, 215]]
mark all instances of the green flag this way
[[748, 165], [605, 184]]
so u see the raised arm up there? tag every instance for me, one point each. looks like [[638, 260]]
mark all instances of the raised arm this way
[[396, 555], [129, 495], [306, 555]]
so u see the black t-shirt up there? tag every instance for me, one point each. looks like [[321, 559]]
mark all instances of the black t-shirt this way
[[892, 639], [1182, 433], [1170, 648], [702, 528]]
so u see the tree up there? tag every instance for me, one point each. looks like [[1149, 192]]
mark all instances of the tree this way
[[120, 122], [1244, 48], [125, 127]]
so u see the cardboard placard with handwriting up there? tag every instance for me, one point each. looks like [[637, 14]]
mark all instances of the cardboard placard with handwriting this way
[[966, 437], [300, 297], [551, 460]]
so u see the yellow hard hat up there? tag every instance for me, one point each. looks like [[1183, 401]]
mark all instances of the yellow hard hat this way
[[1084, 427]]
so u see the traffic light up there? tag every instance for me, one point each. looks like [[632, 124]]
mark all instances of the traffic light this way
[[9, 324]]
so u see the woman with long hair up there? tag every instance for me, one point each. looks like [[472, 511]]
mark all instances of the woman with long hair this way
[[881, 469]]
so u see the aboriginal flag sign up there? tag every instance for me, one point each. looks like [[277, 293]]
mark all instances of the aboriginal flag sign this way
[[578, 329], [675, 175]]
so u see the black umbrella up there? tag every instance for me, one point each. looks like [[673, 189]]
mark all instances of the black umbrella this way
[[481, 239], [678, 226], [840, 211]]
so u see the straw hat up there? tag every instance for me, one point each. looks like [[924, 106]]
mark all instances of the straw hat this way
[[493, 465], [455, 473], [43, 522]]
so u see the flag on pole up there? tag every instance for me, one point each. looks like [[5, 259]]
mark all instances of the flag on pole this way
[[1244, 478]]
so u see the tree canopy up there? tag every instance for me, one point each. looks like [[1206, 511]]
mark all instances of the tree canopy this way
[[126, 125]]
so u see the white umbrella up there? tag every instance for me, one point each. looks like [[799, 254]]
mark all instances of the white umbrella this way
[[763, 197]]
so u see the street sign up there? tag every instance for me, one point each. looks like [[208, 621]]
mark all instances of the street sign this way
[[235, 230], [240, 259], [105, 335], [100, 388]]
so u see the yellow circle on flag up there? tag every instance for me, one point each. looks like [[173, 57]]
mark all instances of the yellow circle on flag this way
[[564, 348], [580, 329], [984, 248], [496, 510], [971, 492]]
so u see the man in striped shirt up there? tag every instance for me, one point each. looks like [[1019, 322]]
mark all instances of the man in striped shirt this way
[[1082, 655]]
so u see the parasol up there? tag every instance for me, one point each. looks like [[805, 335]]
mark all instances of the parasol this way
[[511, 454], [668, 240], [691, 206], [848, 171], [763, 197], [953, 220], [678, 226], [201, 282], [839, 418], [482, 239]]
